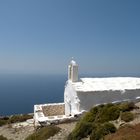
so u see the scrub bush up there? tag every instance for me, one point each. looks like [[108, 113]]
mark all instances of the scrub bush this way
[[100, 131], [96, 122], [127, 116], [127, 106], [19, 118], [81, 130], [44, 133], [109, 113], [2, 122], [15, 118], [88, 117], [92, 121], [3, 138]]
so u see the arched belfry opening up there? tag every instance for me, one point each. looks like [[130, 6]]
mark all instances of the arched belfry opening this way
[[73, 71]]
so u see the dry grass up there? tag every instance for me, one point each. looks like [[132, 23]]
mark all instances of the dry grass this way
[[3, 138], [127, 132], [44, 133]]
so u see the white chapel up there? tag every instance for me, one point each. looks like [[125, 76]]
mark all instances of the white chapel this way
[[81, 94]]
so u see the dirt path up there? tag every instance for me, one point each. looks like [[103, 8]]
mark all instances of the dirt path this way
[[17, 131]]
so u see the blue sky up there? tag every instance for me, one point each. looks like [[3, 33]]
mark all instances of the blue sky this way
[[41, 36]]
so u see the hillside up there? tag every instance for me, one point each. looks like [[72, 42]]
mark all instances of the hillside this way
[[106, 119], [21, 130]]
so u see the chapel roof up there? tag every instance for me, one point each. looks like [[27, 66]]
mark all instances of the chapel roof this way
[[104, 84]]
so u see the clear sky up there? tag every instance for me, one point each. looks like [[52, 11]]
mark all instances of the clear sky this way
[[41, 36]]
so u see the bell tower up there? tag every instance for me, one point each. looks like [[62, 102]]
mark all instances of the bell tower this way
[[73, 71]]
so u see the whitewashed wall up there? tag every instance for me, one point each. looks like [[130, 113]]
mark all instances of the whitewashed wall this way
[[89, 99], [69, 99], [76, 102]]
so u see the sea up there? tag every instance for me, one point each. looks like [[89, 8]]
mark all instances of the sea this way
[[20, 92]]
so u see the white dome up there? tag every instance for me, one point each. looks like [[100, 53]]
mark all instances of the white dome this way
[[73, 62]]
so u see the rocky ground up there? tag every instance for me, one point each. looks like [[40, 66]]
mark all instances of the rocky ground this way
[[19, 131], [66, 128]]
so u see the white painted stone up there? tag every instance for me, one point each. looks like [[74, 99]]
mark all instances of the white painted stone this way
[[81, 95], [73, 71]]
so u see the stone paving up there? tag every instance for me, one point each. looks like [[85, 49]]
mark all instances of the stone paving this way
[[54, 110]]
